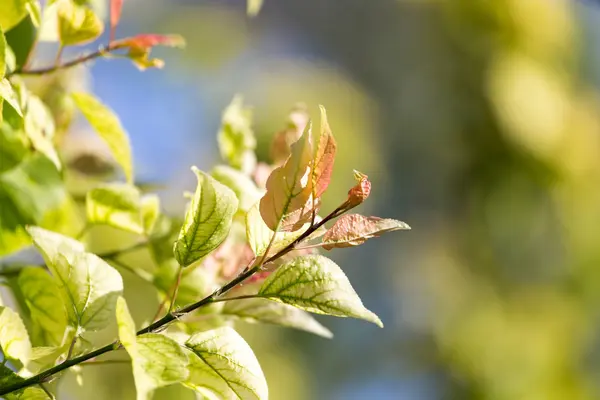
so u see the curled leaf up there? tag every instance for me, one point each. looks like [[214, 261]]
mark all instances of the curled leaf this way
[[355, 229], [139, 47], [361, 191]]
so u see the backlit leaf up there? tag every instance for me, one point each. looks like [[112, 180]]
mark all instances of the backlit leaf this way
[[14, 340], [2, 58], [222, 365], [109, 128], [139, 47], [47, 309], [236, 137], [157, 360], [361, 191], [77, 24], [288, 203], [283, 140], [9, 377], [150, 205], [13, 11], [253, 7], [316, 284], [117, 205], [7, 92], [39, 127], [243, 187], [207, 220], [115, 15], [324, 158], [89, 285], [354, 229]]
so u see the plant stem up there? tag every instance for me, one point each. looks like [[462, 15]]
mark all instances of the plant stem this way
[[169, 317], [105, 362], [176, 289], [45, 389]]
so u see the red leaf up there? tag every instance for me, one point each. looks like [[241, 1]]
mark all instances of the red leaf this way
[[361, 191], [355, 229], [115, 15], [324, 157], [140, 45]]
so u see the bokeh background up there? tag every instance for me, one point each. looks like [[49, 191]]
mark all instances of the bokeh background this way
[[478, 123]]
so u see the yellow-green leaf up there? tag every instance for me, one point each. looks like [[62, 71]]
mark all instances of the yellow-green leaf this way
[[14, 340], [243, 187], [46, 306], [117, 205], [236, 137], [13, 11], [150, 205], [207, 220], [316, 284], [109, 128], [253, 7], [77, 24], [7, 92], [2, 59], [222, 365]]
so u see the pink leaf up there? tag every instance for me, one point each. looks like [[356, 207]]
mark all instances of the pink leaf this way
[[324, 157], [361, 191], [355, 229], [140, 46], [280, 147], [115, 15]]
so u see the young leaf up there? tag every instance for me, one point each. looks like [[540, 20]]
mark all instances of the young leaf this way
[[150, 204], [7, 92], [2, 58], [282, 140], [272, 312], [324, 157], [157, 360], [108, 126], [117, 205], [207, 220], [253, 7], [360, 192], [354, 229], [316, 284], [115, 15], [87, 283], [13, 11], [39, 127], [14, 340], [140, 46], [236, 137], [222, 365], [47, 308], [77, 24], [243, 187], [289, 201]]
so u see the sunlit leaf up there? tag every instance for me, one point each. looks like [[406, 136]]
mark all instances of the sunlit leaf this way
[[13, 11], [324, 158], [117, 205], [77, 24], [39, 127], [272, 312], [115, 15], [139, 47], [243, 187], [2, 58], [7, 92], [316, 284], [109, 128], [236, 137], [207, 220], [87, 283], [14, 340], [157, 360], [150, 205], [283, 140], [289, 203], [9, 377], [14, 146], [35, 12], [253, 7], [361, 191], [354, 229], [46, 306], [222, 365]]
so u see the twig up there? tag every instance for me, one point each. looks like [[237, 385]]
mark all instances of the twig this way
[[104, 362], [176, 289], [45, 389], [71, 347]]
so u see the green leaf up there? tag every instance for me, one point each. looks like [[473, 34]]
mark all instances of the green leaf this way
[[77, 24], [7, 92], [117, 205], [13, 147], [35, 12], [253, 7], [47, 308], [222, 365], [271, 312], [259, 235], [13, 11], [14, 339], [316, 284], [207, 220], [150, 205], [157, 360], [289, 202], [108, 126], [39, 127], [87, 283], [354, 229], [2, 57], [243, 187], [236, 138], [9, 377]]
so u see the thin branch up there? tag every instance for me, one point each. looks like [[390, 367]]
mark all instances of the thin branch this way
[[71, 347], [45, 389], [170, 317], [176, 289], [246, 296], [104, 362]]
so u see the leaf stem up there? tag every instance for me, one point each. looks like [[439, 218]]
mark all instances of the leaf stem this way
[[176, 289], [71, 347], [162, 323], [45, 389]]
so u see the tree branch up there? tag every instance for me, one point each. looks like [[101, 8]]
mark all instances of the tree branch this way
[[162, 323]]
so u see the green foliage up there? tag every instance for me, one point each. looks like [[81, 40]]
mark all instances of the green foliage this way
[[240, 253]]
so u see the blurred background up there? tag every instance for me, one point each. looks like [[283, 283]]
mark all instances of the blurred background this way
[[477, 122]]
